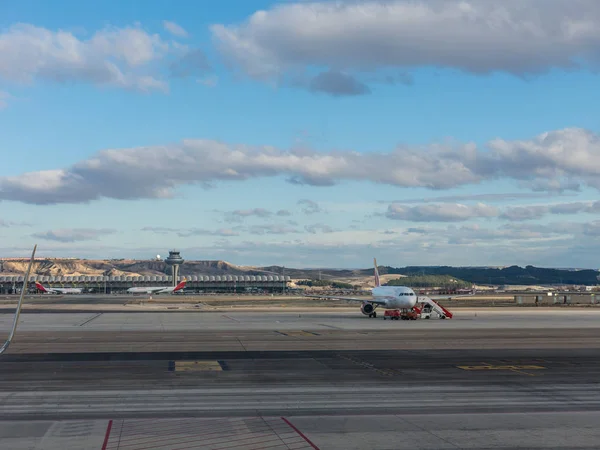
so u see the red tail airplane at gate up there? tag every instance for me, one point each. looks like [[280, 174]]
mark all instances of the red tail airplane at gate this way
[[390, 297], [58, 290], [157, 289]]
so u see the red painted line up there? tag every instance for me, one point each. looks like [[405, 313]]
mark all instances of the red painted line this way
[[300, 433], [107, 435]]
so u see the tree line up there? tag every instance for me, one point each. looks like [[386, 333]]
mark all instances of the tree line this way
[[425, 281], [326, 283]]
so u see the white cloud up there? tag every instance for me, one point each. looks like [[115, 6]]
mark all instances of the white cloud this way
[[512, 243], [337, 84], [240, 214], [592, 229], [565, 244], [445, 212], [131, 173], [476, 36], [175, 29], [576, 207], [10, 223], [554, 158], [319, 228], [187, 232], [456, 212], [310, 207], [119, 57], [495, 197], [272, 228], [524, 212], [530, 212], [74, 234]]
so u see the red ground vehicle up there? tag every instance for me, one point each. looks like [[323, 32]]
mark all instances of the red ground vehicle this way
[[396, 314]]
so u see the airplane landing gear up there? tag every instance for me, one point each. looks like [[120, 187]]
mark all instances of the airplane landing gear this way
[[373, 314]]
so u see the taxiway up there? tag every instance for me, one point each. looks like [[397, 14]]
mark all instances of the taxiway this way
[[489, 378]]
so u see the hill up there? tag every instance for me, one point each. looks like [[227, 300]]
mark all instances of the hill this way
[[528, 275], [508, 275], [76, 267]]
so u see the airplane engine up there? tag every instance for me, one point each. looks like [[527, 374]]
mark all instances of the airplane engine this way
[[367, 308]]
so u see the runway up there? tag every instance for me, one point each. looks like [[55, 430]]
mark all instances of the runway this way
[[486, 379]]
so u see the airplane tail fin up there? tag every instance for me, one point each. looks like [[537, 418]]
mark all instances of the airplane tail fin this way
[[180, 286], [377, 282], [40, 287]]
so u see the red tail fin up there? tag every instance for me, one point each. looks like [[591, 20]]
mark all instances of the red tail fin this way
[[40, 287], [179, 286]]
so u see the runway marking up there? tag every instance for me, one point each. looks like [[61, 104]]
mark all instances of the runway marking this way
[[330, 326], [230, 318], [107, 434], [241, 344], [512, 368], [298, 333], [300, 433], [90, 319], [195, 366], [188, 433], [366, 365]]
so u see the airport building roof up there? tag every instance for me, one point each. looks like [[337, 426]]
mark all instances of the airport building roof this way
[[146, 278]]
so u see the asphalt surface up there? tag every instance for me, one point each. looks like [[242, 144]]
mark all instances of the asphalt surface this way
[[316, 381]]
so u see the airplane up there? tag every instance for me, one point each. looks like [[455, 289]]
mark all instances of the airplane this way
[[392, 297], [156, 289], [58, 290]]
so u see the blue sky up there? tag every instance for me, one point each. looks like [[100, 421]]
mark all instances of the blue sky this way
[[422, 133]]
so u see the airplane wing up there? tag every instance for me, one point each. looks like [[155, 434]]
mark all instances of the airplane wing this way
[[351, 299]]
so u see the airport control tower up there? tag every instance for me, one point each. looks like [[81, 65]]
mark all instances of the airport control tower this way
[[174, 260]]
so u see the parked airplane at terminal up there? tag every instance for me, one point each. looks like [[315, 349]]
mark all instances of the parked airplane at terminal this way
[[390, 297], [50, 290], [157, 289]]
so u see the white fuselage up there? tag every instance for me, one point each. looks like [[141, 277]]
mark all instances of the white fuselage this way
[[395, 297], [70, 290], [64, 290], [151, 290]]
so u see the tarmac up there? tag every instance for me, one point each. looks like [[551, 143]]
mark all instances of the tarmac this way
[[488, 378]]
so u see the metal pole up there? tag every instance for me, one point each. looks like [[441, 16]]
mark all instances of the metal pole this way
[[20, 304]]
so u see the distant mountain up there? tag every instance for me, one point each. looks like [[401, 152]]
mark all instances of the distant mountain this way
[[477, 275], [480, 275], [506, 275]]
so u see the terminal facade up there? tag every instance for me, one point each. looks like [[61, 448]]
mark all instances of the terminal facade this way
[[196, 284], [120, 284]]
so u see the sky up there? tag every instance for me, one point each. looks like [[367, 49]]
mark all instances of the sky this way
[[301, 133]]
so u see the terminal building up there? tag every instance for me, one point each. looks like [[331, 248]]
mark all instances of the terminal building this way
[[120, 284], [196, 284]]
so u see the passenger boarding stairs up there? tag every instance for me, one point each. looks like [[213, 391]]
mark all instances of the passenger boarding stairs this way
[[435, 306]]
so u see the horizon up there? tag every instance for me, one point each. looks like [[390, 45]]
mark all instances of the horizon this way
[[230, 134], [366, 267]]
